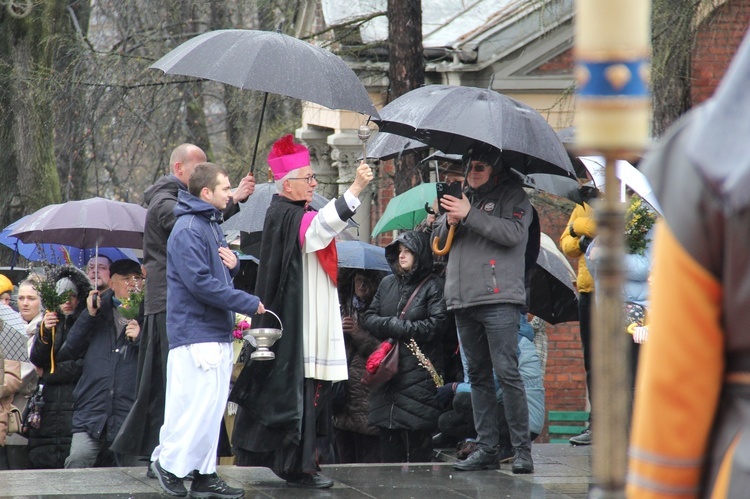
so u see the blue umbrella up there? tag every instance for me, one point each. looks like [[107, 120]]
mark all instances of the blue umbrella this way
[[361, 255], [56, 254]]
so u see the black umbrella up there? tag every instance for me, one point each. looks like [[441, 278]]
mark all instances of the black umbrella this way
[[270, 62], [458, 119], [552, 295], [252, 215], [568, 138], [387, 146]]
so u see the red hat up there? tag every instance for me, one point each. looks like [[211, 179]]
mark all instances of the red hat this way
[[286, 156]]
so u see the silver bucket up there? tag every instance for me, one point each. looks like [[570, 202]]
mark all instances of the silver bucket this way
[[262, 339]]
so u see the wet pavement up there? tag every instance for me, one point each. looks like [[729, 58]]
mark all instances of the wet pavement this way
[[562, 471]]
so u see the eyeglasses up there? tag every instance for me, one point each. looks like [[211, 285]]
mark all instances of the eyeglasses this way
[[478, 167], [309, 178]]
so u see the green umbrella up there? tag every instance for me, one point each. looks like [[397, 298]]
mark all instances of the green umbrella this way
[[406, 210]]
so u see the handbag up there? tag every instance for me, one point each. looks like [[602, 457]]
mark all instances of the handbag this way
[[382, 364], [386, 368]]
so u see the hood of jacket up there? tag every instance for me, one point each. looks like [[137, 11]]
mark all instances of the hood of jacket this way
[[167, 183], [187, 204], [419, 244]]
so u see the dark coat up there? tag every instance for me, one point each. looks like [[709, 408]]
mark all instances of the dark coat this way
[[160, 199], [407, 401], [49, 445], [353, 416], [106, 390], [202, 297]]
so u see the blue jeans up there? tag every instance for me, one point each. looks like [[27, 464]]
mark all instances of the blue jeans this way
[[489, 338]]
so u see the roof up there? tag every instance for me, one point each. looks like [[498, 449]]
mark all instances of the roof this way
[[494, 28]]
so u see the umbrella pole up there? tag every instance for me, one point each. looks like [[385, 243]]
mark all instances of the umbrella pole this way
[[257, 136]]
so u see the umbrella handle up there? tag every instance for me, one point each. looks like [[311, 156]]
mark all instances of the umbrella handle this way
[[445, 249]]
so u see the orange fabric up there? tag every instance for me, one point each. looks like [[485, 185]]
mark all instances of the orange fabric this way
[[680, 375]]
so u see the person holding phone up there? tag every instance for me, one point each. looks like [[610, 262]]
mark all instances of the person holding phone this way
[[485, 288]]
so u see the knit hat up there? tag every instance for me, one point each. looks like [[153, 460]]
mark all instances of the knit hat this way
[[286, 156], [5, 285]]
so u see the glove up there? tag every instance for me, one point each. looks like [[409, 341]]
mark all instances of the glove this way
[[583, 243], [444, 396]]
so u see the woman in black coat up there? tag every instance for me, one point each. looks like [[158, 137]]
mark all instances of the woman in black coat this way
[[405, 408], [49, 444]]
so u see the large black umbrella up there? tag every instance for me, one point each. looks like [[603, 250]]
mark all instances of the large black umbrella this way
[[252, 215], [387, 146], [270, 62], [552, 295], [456, 119]]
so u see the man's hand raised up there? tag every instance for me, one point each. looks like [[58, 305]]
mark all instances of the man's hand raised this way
[[364, 176]]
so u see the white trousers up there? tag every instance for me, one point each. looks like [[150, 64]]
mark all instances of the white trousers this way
[[198, 378]]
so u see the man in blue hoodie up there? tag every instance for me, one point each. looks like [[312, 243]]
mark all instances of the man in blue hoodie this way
[[201, 297]]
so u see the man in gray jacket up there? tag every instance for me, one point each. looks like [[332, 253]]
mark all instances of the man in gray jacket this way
[[484, 287]]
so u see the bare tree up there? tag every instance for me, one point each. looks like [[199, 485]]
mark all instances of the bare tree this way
[[672, 39], [405, 71]]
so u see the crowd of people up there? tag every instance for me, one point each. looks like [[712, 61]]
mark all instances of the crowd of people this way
[[110, 390]]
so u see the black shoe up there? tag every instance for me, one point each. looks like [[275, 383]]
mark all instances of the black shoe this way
[[309, 481], [213, 486], [150, 473], [171, 484], [523, 464], [480, 459]]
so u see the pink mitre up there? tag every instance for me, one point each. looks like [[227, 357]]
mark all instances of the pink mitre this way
[[286, 156]]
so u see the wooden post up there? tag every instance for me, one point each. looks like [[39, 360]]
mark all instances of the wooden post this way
[[612, 119]]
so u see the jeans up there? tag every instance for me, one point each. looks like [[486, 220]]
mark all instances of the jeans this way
[[489, 337], [87, 452]]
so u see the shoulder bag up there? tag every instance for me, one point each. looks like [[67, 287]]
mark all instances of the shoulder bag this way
[[382, 364]]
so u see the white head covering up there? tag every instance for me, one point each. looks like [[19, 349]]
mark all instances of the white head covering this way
[[64, 285]]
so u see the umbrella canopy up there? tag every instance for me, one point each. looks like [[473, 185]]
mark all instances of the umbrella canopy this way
[[13, 334], [456, 119], [406, 210], [552, 295], [627, 173], [252, 213], [387, 146], [361, 255], [57, 254], [271, 62], [88, 223]]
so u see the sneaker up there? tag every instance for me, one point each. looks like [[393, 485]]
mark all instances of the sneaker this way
[[309, 481], [213, 486], [171, 484], [583, 439], [480, 459], [465, 449], [522, 462], [149, 472]]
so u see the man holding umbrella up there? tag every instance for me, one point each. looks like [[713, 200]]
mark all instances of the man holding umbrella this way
[[284, 402], [485, 288]]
